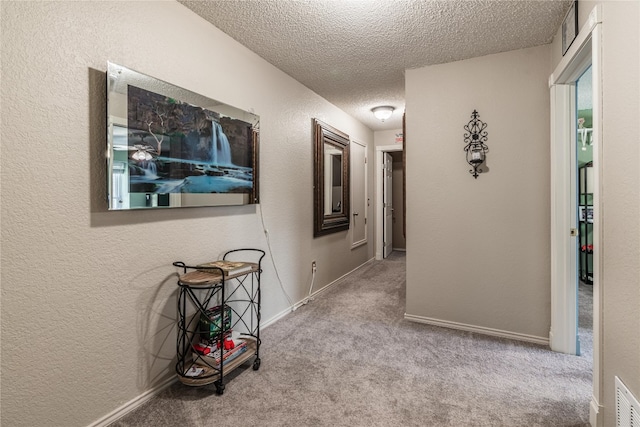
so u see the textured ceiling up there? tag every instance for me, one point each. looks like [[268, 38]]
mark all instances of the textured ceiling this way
[[354, 52]]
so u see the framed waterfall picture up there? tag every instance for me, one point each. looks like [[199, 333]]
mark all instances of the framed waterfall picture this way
[[168, 147]]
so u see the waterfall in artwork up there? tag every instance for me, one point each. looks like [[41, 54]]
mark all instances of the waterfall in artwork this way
[[149, 168], [220, 148]]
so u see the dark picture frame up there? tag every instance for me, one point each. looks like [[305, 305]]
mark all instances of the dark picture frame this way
[[569, 27]]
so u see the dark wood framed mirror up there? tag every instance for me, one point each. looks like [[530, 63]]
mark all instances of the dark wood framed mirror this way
[[330, 179]]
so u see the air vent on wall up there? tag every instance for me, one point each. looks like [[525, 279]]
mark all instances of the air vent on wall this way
[[627, 407]]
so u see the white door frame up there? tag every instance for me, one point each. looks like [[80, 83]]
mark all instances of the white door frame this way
[[586, 50], [379, 214], [354, 207], [387, 205]]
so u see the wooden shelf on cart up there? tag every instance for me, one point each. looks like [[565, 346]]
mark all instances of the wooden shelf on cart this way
[[206, 278], [211, 375]]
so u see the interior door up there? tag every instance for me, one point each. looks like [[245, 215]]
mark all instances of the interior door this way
[[358, 194], [388, 205], [563, 336]]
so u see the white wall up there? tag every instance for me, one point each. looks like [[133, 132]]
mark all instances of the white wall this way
[[478, 249], [388, 137], [620, 195], [88, 296]]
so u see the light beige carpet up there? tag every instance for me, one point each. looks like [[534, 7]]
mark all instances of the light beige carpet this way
[[350, 359]]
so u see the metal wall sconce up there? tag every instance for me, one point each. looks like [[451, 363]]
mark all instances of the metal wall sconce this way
[[475, 139]]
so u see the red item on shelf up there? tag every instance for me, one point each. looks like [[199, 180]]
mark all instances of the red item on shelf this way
[[202, 350], [228, 344]]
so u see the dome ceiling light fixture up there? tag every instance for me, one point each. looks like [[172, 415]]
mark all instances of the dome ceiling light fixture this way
[[383, 112]]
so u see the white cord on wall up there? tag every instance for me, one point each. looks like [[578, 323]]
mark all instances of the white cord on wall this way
[[266, 234], [309, 298]]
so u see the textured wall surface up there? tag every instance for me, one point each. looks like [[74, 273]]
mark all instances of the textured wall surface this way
[[478, 249], [621, 197], [88, 296]]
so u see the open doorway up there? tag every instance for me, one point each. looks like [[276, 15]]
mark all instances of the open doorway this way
[[392, 206], [389, 201], [398, 239], [585, 52]]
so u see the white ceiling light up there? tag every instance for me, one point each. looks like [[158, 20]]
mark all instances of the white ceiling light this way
[[382, 113], [141, 155]]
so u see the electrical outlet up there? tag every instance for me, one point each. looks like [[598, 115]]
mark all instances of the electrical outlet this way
[[313, 265]]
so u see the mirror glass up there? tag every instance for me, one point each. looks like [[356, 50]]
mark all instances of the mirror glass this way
[[333, 179], [331, 184], [169, 147]]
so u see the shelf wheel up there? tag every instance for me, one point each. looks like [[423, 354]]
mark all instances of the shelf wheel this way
[[256, 364], [219, 388]]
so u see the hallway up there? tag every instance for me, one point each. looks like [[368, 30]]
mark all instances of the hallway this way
[[349, 358]]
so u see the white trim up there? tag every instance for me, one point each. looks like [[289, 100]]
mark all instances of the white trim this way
[[134, 403], [400, 249], [335, 282], [305, 300], [595, 413], [358, 244], [366, 194], [598, 211], [588, 49], [280, 315], [378, 215], [578, 53], [477, 329], [596, 63]]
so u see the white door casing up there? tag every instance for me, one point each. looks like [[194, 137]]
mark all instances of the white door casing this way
[[379, 214], [388, 204], [585, 51], [359, 203]]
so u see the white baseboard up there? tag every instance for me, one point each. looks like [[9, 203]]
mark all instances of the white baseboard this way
[[595, 415], [305, 300], [133, 404], [400, 249], [478, 329], [144, 397], [277, 317], [329, 285]]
